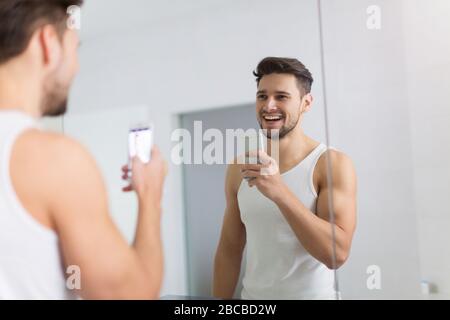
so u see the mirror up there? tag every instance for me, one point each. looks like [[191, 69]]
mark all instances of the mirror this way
[[386, 71], [307, 147], [199, 67]]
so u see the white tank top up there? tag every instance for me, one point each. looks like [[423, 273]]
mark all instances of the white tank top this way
[[277, 265], [30, 261]]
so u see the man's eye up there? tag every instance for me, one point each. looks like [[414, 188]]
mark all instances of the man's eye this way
[[282, 97], [262, 97]]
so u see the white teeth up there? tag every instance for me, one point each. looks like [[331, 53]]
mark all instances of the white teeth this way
[[272, 117]]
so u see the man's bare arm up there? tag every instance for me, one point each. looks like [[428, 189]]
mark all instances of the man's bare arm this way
[[228, 258], [314, 231], [74, 196]]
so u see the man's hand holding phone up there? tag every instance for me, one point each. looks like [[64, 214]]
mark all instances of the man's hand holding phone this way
[[145, 173], [252, 156], [147, 179], [146, 170]]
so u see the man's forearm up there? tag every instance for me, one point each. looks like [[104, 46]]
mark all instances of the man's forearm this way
[[148, 244], [227, 268], [314, 233]]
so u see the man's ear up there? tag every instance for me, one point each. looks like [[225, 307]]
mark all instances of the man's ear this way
[[307, 101], [51, 46]]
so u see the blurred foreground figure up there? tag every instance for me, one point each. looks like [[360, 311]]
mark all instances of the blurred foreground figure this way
[[57, 239]]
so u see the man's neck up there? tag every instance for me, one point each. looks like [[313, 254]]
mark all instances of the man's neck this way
[[19, 92], [294, 147]]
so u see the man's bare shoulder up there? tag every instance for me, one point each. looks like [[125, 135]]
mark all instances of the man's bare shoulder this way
[[342, 167], [51, 160], [53, 149], [47, 169]]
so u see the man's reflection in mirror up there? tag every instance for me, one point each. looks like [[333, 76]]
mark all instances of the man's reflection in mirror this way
[[297, 222]]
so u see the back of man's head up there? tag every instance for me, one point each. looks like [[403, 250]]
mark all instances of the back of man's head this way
[[20, 18], [38, 30]]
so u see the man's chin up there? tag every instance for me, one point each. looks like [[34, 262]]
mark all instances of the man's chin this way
[[56, 112], [272, 133]]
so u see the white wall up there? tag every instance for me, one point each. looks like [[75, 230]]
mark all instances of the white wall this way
[[196, 61], [427, 52], [52, 124]]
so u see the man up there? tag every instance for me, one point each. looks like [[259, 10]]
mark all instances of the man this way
[[283, 218], [53, 204]]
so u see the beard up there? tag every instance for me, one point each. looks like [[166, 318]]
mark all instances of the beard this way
[[56, 110], [55, 99], [278, 134]]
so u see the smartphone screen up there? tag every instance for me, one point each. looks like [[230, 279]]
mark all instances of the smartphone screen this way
[[252, 144], [140, 143]]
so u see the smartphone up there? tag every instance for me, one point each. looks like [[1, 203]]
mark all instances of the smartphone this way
[[140, 143], [253, 146]]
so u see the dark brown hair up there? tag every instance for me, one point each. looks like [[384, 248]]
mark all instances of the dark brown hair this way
[[20, 18], [278, 65]]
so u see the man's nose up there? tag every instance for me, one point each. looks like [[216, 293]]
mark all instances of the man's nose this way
[[271, 105]]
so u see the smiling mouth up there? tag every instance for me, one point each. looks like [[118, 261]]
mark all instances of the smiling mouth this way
[[272, 117]]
